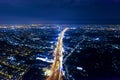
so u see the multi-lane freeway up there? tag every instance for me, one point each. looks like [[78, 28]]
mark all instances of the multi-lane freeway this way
[[56, 67]]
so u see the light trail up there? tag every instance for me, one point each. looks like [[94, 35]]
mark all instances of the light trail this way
[[57, 67], [45, 60]]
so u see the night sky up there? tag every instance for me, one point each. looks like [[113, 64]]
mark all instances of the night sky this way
[[60, 11]]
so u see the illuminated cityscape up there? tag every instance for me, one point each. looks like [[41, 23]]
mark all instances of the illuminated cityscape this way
[[59, 39], [59, 52]]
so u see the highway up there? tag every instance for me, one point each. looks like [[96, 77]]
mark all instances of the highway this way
[[57, 67]]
